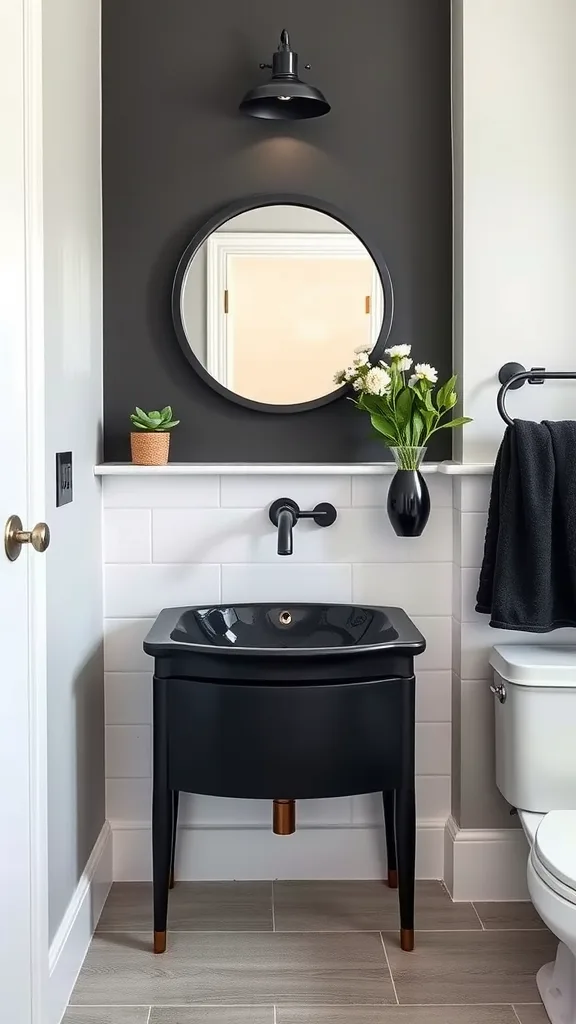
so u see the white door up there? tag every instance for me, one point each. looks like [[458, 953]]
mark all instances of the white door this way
[[23, 860]]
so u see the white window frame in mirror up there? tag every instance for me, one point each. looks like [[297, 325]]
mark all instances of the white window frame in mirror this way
[[223, 244]]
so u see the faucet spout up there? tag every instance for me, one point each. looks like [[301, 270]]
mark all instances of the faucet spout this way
[[285, 513], [286, 520]]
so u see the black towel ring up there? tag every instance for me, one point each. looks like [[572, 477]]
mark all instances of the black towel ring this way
[[514, 375]]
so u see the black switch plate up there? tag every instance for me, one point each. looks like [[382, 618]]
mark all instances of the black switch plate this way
[[63, 478]]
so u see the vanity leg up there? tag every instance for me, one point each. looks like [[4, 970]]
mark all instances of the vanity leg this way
[[175, 801], [406, 848], [162, 814], [388, 799]]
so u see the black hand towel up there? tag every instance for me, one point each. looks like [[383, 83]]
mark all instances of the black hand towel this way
[[528, 575]]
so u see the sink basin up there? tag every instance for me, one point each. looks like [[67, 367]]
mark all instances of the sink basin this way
[[272, 637], [299, 627]]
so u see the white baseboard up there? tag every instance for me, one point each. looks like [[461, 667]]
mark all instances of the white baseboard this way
[[70, 944], [485, 864], [211, 854]]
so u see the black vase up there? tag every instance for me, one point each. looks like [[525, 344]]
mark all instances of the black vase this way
[[408, 496]]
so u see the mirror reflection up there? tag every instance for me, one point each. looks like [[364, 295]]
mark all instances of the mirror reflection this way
[[273, 302]]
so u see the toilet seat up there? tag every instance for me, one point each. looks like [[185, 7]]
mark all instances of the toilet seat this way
[[554, 853]]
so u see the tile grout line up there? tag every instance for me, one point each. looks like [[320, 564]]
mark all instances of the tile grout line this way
[[478, 916], [389, 970], [274, 1013], [515, 1014], [273, 909], [124, 1006], [149, 1015], [315, 931]]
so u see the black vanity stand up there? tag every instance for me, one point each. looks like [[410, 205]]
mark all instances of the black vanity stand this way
[[248, 738]]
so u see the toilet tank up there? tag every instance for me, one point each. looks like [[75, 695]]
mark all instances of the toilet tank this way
[[535, 713]]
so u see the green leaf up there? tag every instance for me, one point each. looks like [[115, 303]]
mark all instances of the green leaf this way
[[425, 393], [444, 391], [139, 425], [144, 418], [172, 423], [369, 402], [460, 421], [418, 428], [431, 419], [383, 426], [404, 407], [166, 413]]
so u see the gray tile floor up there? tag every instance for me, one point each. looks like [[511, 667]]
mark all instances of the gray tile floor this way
[[311, 953]]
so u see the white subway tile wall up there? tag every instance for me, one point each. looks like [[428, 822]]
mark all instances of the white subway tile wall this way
[[188, 540]]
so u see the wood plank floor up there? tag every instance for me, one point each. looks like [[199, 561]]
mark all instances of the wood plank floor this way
[[311, 953]]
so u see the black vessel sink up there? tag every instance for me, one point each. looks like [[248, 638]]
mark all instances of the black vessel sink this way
[[217, 639], [285, 702]]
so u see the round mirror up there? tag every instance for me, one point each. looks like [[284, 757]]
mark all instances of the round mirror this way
[[271, 298]]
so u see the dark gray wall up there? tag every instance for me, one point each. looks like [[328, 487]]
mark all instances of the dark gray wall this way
[[175, 148]]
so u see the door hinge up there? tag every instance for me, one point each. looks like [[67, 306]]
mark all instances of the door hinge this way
[[368, 304], [226, 303]]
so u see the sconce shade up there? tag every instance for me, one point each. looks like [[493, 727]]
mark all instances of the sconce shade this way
[[284, 97]]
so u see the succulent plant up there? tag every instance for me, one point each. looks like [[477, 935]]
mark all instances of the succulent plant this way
[[153, 421]]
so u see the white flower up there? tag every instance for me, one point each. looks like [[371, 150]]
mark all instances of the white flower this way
[[350, 373], [365, 347], [423, 371], [403, 364], [376, 381], [361, 360], [358, 384], [413, 380], [398, 351]]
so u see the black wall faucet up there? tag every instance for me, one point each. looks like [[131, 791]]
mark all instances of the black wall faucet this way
[[285, 513]]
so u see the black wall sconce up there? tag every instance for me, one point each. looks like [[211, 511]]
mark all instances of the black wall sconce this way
[[284, 97]]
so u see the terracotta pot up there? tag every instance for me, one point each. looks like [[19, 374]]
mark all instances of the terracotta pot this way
[[150, 448]]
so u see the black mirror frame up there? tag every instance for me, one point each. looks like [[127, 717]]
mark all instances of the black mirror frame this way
[[244, 206]]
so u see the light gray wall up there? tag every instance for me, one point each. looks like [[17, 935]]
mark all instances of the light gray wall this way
[[268, 218], [73, 323], [514, 259]]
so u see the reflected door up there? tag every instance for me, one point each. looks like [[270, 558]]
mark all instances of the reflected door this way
[[285, 311], [291, 323]]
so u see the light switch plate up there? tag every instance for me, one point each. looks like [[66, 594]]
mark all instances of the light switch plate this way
[[63, 478]]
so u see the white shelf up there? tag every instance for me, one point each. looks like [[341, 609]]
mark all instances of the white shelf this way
[[466, 468], [285, 469]]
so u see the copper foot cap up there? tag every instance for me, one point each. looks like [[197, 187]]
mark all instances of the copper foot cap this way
[[284, 817]]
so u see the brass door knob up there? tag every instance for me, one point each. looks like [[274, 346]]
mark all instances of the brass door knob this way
[[15, 537]]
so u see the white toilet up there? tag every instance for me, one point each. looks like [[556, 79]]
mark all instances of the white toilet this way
[[535, 689]]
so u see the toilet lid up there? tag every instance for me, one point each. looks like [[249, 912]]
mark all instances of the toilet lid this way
[[555, 845]]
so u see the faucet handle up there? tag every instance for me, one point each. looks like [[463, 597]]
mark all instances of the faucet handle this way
[[324, 514]]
